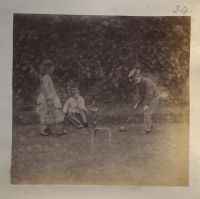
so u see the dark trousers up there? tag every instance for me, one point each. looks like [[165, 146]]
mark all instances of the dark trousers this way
[[148, 123]]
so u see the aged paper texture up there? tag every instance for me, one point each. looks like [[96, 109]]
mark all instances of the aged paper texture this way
[[70, 72]]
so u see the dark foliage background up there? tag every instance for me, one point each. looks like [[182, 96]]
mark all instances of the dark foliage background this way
[[97, 52]]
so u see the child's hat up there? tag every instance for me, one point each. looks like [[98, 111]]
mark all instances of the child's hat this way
[[75, 90], [135, 71], [132, 73]]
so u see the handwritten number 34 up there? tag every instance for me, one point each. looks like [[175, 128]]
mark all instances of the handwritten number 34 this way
[[180, 10]]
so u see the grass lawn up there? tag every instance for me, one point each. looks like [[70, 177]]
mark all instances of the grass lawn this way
[[159, 158]]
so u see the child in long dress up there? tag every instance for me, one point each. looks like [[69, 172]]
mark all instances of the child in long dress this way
[[49, 106], [75, 109]]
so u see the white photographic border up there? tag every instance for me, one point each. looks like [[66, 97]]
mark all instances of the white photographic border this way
[[96, 7]]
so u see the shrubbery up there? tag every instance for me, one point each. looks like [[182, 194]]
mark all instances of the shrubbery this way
[[97, 52]]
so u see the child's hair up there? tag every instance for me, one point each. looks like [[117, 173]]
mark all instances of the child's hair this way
[[45, 65]]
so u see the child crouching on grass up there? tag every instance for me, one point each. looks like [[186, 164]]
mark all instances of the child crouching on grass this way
[[49, 106], [75, 109]]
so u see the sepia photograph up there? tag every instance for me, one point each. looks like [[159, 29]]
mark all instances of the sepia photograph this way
[[100, 100]]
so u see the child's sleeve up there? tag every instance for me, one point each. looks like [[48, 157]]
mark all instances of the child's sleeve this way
[[66, 106], [38, 109], [81, 104], [149, 92], [45, 87]]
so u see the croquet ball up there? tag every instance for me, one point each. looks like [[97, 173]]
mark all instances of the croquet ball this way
[[122, 128]]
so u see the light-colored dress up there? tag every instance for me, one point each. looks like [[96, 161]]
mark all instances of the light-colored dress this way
[[49, 106]]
